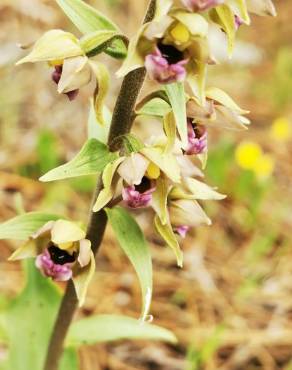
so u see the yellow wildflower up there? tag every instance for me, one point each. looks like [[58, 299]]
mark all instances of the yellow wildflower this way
[[281, 129], [247, 154]]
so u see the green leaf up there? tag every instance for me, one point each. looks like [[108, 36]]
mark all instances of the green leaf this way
[[21, 227], [91, 159], [104, 328], [87, 19], [30, 319], [176, 96], [133, 243], [69, 360], [155, 107]]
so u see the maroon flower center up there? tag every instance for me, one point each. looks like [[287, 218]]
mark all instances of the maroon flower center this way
[[170, 53], [60, 256]]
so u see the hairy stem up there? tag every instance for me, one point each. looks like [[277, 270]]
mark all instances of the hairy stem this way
[[121, 124]]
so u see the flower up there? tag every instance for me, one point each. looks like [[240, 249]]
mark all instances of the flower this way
[[62, 252], [281, 129], [197, 139], [247, 154], [139, 173], [201, 5], [219, 110], [171, 47], [161, 68], [62, 51]]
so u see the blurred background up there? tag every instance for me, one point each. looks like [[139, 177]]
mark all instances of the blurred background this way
[[231, 304]]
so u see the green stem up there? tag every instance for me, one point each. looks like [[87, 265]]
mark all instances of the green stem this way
[[121, 124]]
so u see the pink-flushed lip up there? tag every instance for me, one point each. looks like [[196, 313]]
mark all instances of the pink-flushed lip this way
[[182, 230], [51, 269], [201, 5], [197, 140], [160, 70], [134, 199]]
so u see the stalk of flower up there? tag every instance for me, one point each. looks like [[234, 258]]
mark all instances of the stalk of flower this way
[[62, 252], [170, 47]]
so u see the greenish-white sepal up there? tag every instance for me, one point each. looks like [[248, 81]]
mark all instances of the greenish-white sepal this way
[[201, 190], [92, 159], [133, 243], [83, 278], [107, 192], [76, 73], [203, 158], [53, 45], [23, 226], [177, 99], [96, 129], [197, 81], [87, 19], [106, 328], [102, 86], [261, 7], [194, 22], [214, 93], [165, 161], [170, 131], [224, 16], [159, 199], [162, 8], [167, 234], [188, 212], [239, 8]]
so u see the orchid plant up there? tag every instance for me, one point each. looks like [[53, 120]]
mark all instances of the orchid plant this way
[[162, 175]]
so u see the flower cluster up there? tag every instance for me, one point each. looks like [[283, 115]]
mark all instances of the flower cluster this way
[[162, 174]]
